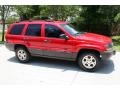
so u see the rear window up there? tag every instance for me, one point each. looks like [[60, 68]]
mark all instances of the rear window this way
[[17, 29], [33, 30]]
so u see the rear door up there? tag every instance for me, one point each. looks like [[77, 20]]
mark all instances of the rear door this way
[[33, 38]]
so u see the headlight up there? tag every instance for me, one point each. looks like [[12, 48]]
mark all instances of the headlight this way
[[109, 46]]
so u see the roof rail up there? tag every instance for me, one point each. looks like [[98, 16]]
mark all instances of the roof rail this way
[[47, 20]]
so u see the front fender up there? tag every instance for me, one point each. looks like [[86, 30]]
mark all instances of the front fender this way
[[98, 48]]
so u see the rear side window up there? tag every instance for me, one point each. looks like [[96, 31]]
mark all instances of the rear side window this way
[[17, 29], [33, 30]]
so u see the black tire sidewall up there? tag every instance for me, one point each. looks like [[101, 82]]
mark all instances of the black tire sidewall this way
[[83, 67], [27, 53]]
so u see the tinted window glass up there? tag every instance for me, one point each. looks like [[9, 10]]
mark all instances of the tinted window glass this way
[[33, 30], [52, 31], [17, 29]]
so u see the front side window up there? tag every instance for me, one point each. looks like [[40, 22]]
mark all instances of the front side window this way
[[52, 31], [71, 29], [17, 29], [33, 30]]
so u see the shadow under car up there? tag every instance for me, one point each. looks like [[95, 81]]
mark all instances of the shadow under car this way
[[106, 67]]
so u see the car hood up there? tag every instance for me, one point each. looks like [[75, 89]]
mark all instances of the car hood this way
[[94, 38]]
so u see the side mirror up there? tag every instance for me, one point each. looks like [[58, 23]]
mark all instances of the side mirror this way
[[63, 36]]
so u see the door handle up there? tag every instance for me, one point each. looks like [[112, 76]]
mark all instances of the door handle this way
[[46, 40], [25, 39]]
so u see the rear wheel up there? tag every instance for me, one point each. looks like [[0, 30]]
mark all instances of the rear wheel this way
[[89, 61], [22, 55]]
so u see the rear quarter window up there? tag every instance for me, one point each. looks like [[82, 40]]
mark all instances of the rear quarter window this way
[[17, 29]]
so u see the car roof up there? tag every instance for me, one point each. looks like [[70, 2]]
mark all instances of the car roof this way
[[41, 21]]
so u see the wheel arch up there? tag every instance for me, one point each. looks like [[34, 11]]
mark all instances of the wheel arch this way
[[87, 50], [19, 45]]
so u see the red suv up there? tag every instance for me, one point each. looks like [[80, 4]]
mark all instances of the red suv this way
[[60, 40]]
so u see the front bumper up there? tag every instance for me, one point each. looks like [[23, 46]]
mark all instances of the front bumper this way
[[107, 54]]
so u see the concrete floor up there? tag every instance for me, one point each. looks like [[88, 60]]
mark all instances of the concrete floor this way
[[55, 72]]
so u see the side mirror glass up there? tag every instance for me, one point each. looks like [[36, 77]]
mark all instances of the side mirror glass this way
[[63, 36]]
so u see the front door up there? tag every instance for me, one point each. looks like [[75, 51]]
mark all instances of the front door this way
[[56, 46]]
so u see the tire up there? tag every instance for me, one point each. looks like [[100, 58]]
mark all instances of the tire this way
[[22, 55], [89, 61]]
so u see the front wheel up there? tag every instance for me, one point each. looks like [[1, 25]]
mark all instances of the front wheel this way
[[89, 61], [22, 54]]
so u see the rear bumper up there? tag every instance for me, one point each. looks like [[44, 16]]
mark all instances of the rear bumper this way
[[107, 54], [9, 46]]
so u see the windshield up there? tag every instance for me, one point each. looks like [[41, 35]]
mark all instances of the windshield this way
[[70, 29]]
